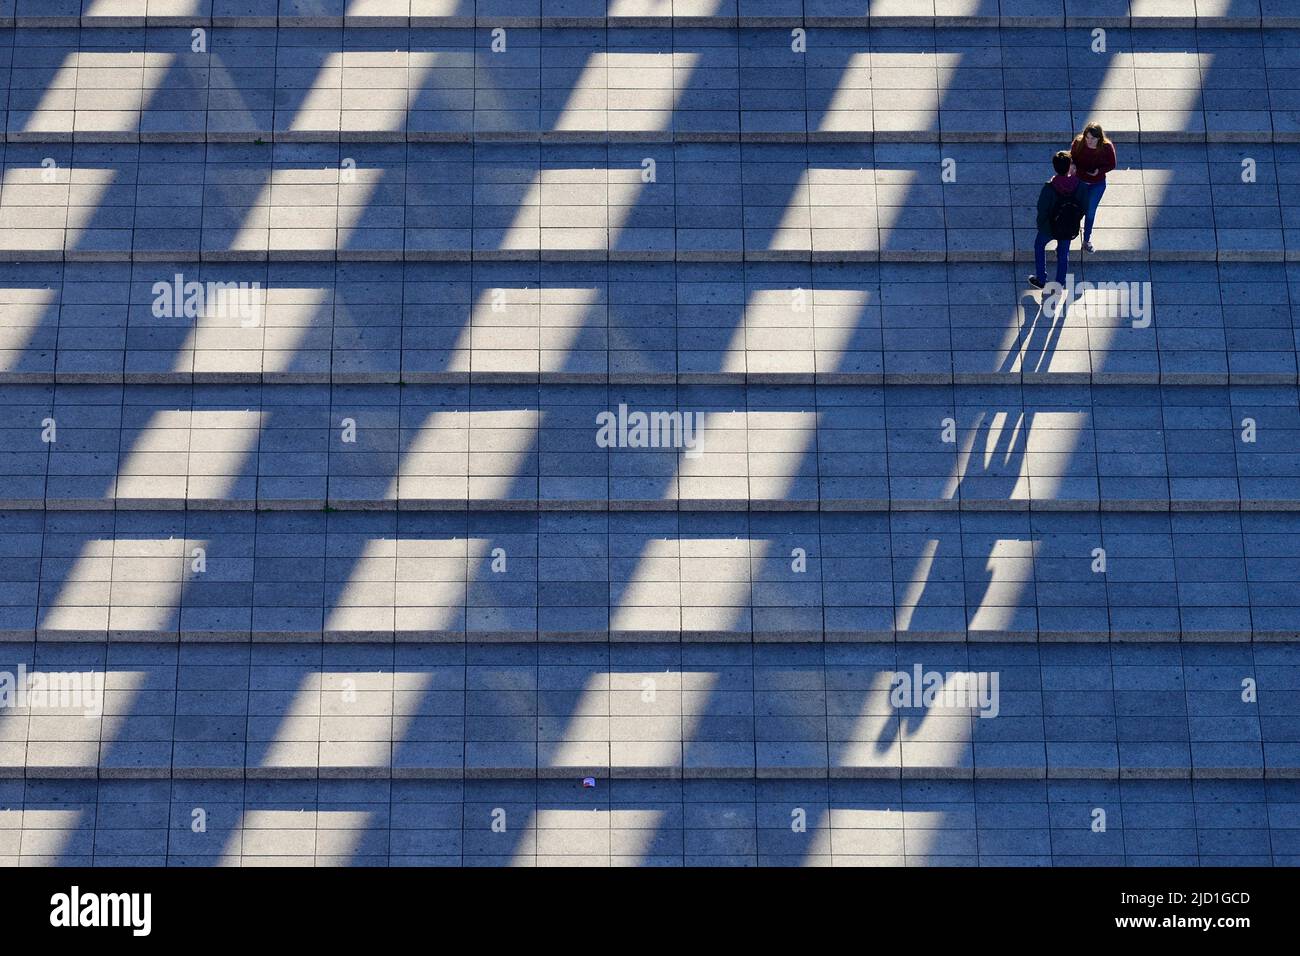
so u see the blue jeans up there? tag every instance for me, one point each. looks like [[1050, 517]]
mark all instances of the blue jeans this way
[[1040, 257], [1091, 199]]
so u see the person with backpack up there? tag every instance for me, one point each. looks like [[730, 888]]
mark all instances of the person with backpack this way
[[1060, 210], [1094, 157]]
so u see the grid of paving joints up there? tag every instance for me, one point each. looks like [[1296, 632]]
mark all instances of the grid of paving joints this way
[[650, 823], [101, 84], [1139, 711], [711, 202], [360, 572], [576, 447], [639, 323], [693, 576], [1241, 14]]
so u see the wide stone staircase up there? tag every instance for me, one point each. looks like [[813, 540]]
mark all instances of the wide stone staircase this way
[[312, 550]]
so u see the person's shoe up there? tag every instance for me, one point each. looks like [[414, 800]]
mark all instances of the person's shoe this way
[[1087, 246], [1036, 282]]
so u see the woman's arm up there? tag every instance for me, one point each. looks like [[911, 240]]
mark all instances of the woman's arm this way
[[1108, 159], [1077, 147]]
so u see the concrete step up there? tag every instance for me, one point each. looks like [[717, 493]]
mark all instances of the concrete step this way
[[1016, 711], [658, 83], [313, 577], [645, 323], [638, 822], [709, 202], [643, 84], [636, 576], [1138, 14], [590, 447], [482, 576]]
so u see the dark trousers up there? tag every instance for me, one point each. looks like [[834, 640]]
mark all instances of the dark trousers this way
[[1040, 257]]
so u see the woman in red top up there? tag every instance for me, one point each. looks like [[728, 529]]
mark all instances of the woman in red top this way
[[1094, 157]]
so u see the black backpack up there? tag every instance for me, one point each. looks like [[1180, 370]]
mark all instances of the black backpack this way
[[1066, 216]]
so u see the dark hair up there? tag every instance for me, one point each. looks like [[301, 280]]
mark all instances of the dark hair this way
[[1093, 129], [1061, 162]]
